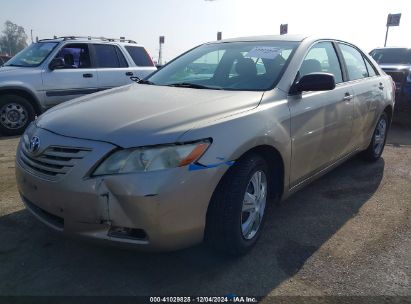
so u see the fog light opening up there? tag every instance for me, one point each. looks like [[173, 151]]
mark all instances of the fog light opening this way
[[127, 233]]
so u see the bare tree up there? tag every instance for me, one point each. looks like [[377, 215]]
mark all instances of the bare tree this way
[[13, 38]]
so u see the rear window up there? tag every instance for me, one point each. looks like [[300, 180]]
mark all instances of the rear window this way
[[139, 56], [395, 56]]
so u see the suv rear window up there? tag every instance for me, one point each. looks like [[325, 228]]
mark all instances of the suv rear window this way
[[396, 56], [139, 56]]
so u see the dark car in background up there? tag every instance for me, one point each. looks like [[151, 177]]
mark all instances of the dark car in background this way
[[396, 62], [4, 59]]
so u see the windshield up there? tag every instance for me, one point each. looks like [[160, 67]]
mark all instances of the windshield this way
[[33, 55], [248, 66], [395, 56]]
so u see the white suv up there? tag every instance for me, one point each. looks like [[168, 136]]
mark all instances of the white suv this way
[[52, 71]]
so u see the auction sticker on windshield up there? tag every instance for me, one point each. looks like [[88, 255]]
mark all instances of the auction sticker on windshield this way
[[265, 52]]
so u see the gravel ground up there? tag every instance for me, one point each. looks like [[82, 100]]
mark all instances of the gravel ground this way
[[347, 234]]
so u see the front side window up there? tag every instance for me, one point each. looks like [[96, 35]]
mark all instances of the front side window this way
[[109, 56], [354, 61], [33, 55], [248, 66], [75, 56], [322, 58]]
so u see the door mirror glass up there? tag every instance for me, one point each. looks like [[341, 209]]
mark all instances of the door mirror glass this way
[[315, 82], [56, 63]]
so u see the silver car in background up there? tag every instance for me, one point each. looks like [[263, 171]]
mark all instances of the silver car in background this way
[[198, 150], [53, 71]]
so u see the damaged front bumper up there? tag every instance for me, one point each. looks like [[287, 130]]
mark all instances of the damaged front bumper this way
[[159, 210]]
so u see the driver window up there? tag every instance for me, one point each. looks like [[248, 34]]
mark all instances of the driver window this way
[[322, 58], [75, 56]]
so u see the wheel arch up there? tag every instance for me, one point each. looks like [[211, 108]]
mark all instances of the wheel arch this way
[[389, 111], [276, 166], [25, 94]]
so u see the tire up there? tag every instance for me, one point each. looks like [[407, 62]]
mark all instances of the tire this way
[[226, 229], [16, 113], [379, 137]]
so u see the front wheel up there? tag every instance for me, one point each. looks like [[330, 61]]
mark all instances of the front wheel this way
[[376, 147], [16, 112], [236, 212]]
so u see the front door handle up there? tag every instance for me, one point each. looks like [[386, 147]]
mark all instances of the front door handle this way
[[88, 75], [347, 97], [129, 74]]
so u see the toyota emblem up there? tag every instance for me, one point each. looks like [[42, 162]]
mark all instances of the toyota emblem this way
[[34, 144]]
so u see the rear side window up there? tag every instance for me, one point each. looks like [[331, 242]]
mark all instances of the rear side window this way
[[355, 62], [139, 56], [109, 56], [322, 58]]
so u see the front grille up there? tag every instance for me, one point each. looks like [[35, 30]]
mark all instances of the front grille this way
[[53, 162]]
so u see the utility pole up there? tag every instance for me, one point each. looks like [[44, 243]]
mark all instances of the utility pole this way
[[31, 34], [160, 50]]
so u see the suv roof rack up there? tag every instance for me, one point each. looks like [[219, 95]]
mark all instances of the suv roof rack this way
[[64, 38]]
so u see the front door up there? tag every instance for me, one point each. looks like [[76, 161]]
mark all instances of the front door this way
[[78, 77], [321, 122]]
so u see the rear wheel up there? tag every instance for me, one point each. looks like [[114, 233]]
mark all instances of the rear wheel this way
[[376, 147], [236, 212], [16, 112]]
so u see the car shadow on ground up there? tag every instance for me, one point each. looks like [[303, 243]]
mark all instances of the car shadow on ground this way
[[36, 261]]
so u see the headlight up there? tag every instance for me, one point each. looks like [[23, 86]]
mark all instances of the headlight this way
[[152, 158]]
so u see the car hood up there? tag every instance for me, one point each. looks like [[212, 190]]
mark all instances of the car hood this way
[[137, 114]]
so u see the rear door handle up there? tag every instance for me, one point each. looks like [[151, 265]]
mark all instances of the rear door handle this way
[[129, 74], [88, 75], [381, 87]]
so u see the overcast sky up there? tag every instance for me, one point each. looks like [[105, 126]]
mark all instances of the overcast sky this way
[[187, 23]]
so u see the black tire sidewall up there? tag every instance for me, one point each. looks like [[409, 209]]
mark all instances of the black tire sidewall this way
[[375, 155], [23, 102], [223, 230]]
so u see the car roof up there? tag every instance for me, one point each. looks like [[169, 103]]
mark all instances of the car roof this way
[[79, 39], [296, 38], [393, 48]]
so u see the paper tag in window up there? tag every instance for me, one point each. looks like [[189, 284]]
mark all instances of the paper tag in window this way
[[265, 52]]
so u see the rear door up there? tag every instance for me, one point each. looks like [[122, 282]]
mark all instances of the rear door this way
[[112, 68], [321, 122], [78, 77], [144, 66], [368, 92]]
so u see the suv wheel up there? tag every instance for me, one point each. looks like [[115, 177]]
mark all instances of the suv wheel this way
[[236, 212], [376, 147], [16, 113]]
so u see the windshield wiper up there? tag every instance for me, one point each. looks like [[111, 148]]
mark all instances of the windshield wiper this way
[[145, 81], [192, 86]]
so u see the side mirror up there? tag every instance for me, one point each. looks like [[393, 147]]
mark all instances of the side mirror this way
[[314, 82], [56, 63]]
